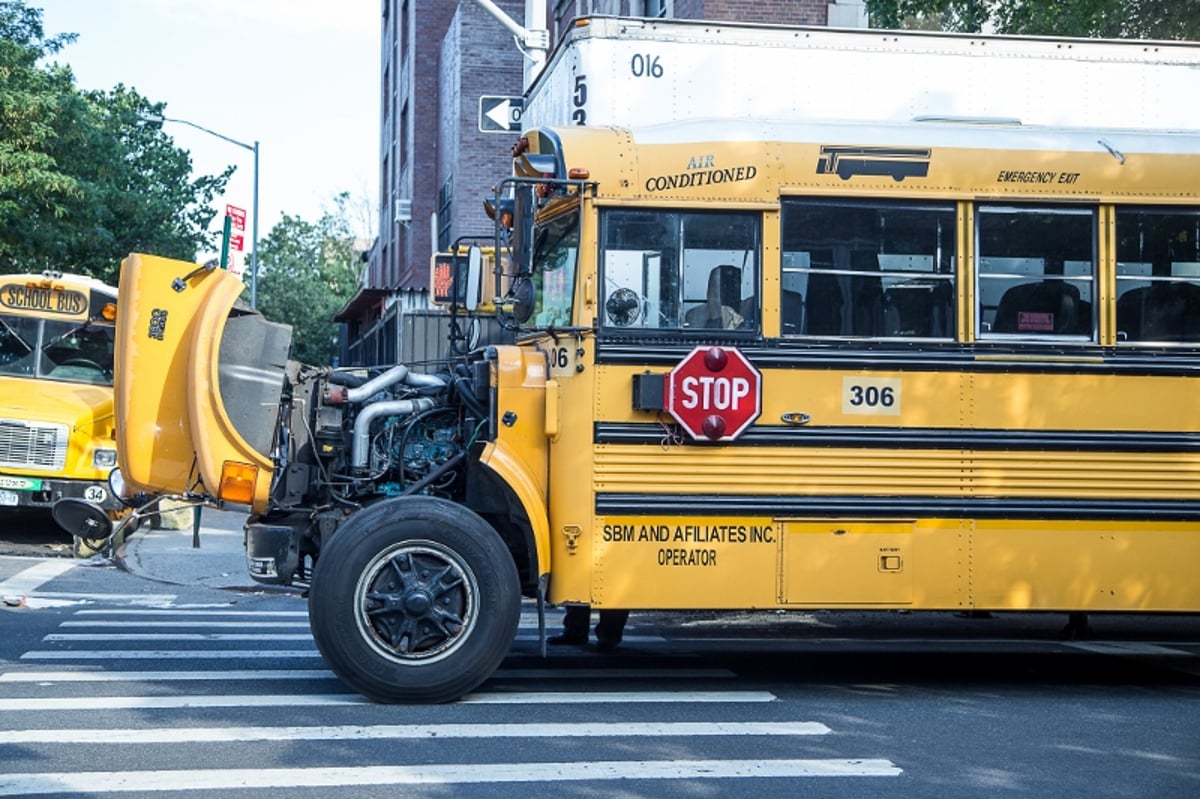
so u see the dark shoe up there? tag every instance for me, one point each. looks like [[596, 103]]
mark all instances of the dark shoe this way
[[607, 644], [567, 640]]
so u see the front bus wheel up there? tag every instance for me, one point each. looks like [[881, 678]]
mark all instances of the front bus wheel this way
[[414, 599]]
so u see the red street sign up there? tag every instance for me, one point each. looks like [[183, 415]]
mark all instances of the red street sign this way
[[714, 393], [237, 217], [236, 242]]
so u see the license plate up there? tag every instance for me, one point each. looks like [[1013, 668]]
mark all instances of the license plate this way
[[9, 498], [20, 482]]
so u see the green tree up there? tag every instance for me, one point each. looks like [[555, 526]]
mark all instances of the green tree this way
[[84, 180], [1113, 19], [306, 274]]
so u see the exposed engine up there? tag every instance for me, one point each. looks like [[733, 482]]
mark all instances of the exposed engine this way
[[349, 438]]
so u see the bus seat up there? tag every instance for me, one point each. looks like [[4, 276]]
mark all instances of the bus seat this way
[[1171, 313], [1129, 313], [722, 307], [917, 308], [823, 311], [867, 309], [791, 317], [1048, 306]]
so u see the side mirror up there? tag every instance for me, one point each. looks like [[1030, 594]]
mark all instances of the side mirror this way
[[474, 267], [522, 294]]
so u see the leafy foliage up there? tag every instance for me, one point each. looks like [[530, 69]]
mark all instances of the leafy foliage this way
[[1113, 19], [84, 180], [307, 273]]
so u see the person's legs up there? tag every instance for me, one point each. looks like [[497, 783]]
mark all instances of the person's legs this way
[[575, 626], [610, 628]]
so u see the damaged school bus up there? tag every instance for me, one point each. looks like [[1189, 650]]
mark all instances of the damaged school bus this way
[[924, 366]]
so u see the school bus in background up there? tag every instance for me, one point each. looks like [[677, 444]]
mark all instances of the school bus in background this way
[[738, 381], [56, 373]]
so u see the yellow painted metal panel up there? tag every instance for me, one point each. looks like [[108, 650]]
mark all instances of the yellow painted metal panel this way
[[1032, 565], [154, 332], [214, 437], [693, 562], [841, 561]]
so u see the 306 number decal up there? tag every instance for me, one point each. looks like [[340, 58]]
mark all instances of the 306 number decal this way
[[877, 396]]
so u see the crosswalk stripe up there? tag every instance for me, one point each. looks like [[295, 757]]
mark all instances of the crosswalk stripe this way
[[192, 611], [223, 675], [353, 732], [228, 675], [77, 703], [1128, 648], [169, 654], [94, 782], [69, 637], [159, 625], [631, 697], [28, 580]]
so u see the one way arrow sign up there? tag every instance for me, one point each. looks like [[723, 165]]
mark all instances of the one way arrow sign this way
[[500, 114]]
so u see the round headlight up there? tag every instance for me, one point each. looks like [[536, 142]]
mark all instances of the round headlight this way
[[116, 483]]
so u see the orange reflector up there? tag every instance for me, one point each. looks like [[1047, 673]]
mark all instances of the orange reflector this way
[[578, 173], [237, 482], [109, 312]]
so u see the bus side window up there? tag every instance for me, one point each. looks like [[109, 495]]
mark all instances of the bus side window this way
[[868, 268], [679, 270], [1158, 275], [1037, 268]]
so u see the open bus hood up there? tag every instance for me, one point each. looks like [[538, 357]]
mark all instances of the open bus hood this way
[[198, 382]]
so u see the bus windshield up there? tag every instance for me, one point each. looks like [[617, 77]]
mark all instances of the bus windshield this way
[[56, 350]]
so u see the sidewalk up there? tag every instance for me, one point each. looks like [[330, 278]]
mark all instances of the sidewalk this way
[[169, 556]]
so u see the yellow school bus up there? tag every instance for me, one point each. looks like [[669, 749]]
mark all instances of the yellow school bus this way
[[56, 374], [922, 366]]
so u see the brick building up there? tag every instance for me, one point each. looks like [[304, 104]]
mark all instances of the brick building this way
[[436, 166]]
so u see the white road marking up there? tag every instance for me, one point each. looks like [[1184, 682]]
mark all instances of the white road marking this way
[[142, 735], [1128, 648], [216, 625], [631, 697], [218, 675], [168, 654], [85, 703], [123, 637], [95, 782], [227, 675], [191, 611], [29, 580]]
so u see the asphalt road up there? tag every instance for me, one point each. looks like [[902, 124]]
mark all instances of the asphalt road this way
[[110, 683]]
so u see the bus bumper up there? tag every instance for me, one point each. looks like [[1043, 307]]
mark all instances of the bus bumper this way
[[41, 493]]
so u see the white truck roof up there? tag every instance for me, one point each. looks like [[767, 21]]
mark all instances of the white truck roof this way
[[630, 71]]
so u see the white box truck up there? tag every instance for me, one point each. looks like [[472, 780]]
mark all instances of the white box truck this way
[[638, 72]]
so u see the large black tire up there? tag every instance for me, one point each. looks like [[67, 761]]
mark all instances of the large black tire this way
[[414, 599]]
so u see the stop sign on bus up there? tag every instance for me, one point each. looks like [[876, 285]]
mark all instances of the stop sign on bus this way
[[714, 393]]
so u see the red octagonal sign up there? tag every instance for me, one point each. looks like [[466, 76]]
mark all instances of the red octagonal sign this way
[[714, 393]]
